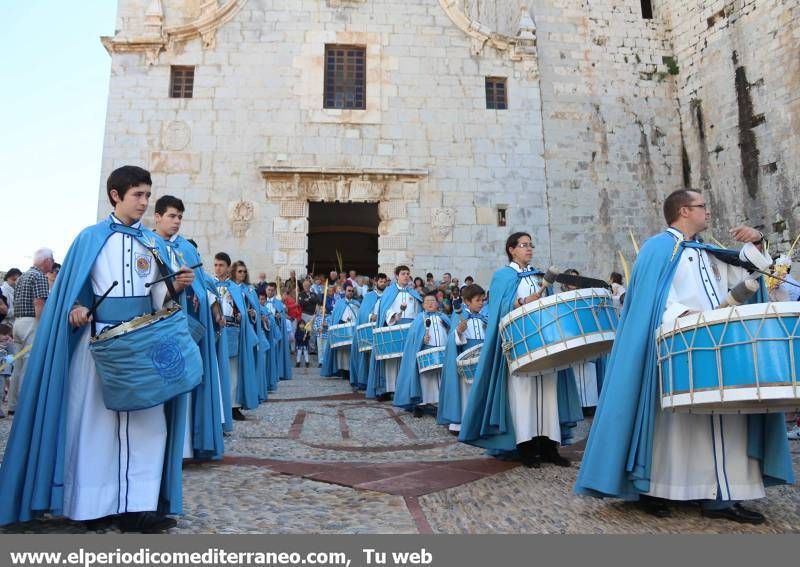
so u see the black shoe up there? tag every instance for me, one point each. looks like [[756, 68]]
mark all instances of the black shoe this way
[[298, 365], [418, 411], [654, 506], [320, 365], [238, 415], [550, 454], [145, 523], [529, 454], [306, 364], [736, 513], [99, 524]]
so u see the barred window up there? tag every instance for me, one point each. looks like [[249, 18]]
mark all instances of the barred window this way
[[181, 81], [345, 76], [496, 96]]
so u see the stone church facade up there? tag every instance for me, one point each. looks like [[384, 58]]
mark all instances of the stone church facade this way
[[608, 109]]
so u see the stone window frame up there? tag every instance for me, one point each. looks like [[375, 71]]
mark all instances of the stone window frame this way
[[345, 77], [310, 63], [496, 93], [181, 81]]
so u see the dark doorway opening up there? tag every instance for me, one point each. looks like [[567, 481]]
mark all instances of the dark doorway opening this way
[[351, 229]]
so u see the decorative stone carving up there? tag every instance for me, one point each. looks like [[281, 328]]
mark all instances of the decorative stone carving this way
[[294, 209], [442, 222], [390, 210], [155, 38], [392, 242], [520, 47], [241, 214], [175, 135]]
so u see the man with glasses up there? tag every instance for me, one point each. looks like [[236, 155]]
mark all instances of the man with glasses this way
[[636, 450]]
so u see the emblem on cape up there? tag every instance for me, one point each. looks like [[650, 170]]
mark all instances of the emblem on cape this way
[[167, 359], [143, 264]]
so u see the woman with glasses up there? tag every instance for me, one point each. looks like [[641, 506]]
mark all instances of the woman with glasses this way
[[519, 411], [245, 388]]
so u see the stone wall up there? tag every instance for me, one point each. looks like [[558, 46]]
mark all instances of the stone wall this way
[[739, 100]]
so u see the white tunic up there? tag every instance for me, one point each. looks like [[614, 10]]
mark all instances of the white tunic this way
[[431, 380], [586, 381], [533, 397], [112, 460], [701, 456], [476, 329], [226, 302], [391, 367], [350, 315]]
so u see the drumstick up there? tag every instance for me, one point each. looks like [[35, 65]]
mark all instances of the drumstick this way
[[20, 354], [98, 301], [172, 275]]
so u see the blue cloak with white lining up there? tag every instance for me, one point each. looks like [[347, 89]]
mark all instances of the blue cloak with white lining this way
[[284, 348], [359, 361], [408, 388], [247, 387], [618, 453], [487, 420], [207, 439], [262, 350], [330, 366], [376, 381], [273, 338], [32, 473], [450, 410]]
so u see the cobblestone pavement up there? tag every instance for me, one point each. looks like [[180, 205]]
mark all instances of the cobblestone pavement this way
[[318, 458]]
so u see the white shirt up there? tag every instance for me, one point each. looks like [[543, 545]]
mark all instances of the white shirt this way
[[412, 306], [226, 301], [350, 314], [437, 332], [476, 330], [527, 285]]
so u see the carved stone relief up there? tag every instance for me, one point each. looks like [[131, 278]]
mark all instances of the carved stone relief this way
[[175, 135], [241, 214], [442, 222]]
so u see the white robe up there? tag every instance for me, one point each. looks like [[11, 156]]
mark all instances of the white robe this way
[[226, 303], [586, 381], [391, 367], [112, 460], [430, 381], [350, 315], [701, 456], [533, 397]]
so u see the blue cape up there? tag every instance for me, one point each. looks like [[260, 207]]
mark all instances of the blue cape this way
[[450, 410], [376, 378], [487, 420], [408, 389], [207, 439], [32, 473], [247, 387], [359, 361], [618, 453], [330, 366], [284, 357], [273, 358], [262, 351]]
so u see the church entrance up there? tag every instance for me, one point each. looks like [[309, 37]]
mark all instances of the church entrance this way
[[346, 231]]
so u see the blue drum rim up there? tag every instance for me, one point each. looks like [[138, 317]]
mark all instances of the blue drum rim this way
[[435, 366]]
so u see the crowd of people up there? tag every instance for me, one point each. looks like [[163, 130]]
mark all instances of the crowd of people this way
[[208, 344]]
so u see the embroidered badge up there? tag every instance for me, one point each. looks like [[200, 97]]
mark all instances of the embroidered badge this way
[[168, 360], [143, 264]]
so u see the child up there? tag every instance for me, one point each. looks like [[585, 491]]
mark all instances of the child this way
[[301, 338], [7, 350]]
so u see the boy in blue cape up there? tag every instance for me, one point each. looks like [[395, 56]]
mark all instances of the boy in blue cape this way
[[399, 305], [204, 417], [530, 412], [359, 361], [229, 333], [638, 451], [281, 316], [345, 312], [468, 330], [67, 453], [429, 330]]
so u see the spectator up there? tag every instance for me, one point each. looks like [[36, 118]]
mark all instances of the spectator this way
[[7, 350], [308, 301], [51, 275], [30, 294], [8, 292], [333, 277], [316, 287], [430, 283], [419, 285], [261, 284], [467, 281], [446, 278]]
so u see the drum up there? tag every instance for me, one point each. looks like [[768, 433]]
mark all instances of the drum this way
[[467, 363], [232, 333], [341, 335], [388, 342], [364, 336], [742, 359], [556, 331], [146, 361], [430, 359]]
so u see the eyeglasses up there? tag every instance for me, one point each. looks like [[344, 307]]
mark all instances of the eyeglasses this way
[[241, 271], [524, 245], [703, 206]]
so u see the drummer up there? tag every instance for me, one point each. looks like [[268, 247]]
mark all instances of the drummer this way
[[399, 305], [122, 467], [468, 330], [345, 311], [415, 391], [507, 412], [636, 450], [359, 361]]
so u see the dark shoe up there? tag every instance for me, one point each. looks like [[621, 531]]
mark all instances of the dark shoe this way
[[306, 364], [238, 415], [736, 513], [320, 365], [655, 506], [418, 411], [99, 524], [298, 365], [145, 523], [589, 412], [550, 454], [529, 454]]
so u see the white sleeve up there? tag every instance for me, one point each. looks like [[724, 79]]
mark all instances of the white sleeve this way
[[673, 309]]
